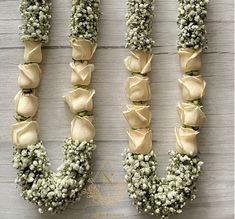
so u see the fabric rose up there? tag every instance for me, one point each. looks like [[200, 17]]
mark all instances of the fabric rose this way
[[32, 52], [139, 61], [81, 73], [186, 141], [82, 49], [25, 133], [191, 114], [80, 100], [138, 88], [190, 59], [30, 75], [193, 87], [140, 141], [82, 128], [26, 104], [138, 117]]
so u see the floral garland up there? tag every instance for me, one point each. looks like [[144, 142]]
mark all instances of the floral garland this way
[[49, 190], [151, 194]]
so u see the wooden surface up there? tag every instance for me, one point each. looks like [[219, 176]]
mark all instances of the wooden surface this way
[[215, 196]]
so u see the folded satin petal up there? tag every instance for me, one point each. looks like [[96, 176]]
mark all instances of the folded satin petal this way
[[32, 52], [190, 59], [80, 100], [25, 134], [81, 73], [30, 75], [193, 87], [191, 114], [82, 128], [139, 61], [82, 49], [138, 117], [138, 88], [186, 141], [26, 104], [140, 141]]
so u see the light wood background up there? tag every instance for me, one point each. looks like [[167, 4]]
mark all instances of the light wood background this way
[[215, 196]]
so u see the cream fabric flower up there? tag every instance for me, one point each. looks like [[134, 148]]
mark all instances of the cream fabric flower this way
[[30, 75], [186, 141], [82, 49], [25, 133], [81, 73], [138, 88], [80, 100], [191, 114], [193, 87], [32, 52], [138, 117], [190, 59], [140, 141], [26, 104], [139, 61], [82, 128]]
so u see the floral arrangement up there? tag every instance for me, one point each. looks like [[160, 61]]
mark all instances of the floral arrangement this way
[[53, 191], [151, 194]]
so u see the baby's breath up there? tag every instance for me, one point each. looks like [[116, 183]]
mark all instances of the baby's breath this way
[[49, 190]]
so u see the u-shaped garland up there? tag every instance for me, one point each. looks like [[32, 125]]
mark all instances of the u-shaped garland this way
[[53, 191], [168, 195]]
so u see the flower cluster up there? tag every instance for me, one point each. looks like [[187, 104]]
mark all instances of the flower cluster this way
[[191, 26], [53, 191], [84, 19], [36, 20], [139, 24], [161, 196]]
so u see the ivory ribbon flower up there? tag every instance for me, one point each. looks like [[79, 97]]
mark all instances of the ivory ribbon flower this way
[[81, 73], [26, 104], [190, 59], [25, 133], [82, 49], [32, 52], [186, 141], [139, 61], [30, 75], [80, 100], [138, 117], [138, 88], [193, 87], [191, 114], [140, 141], [82, 128]]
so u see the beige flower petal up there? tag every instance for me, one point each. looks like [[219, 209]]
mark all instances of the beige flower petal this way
[[186, 141], [32, 52], [140, 141], [81, 73], [138, 117], [191, 114], [190, 59], [193, 87], [139, 61], [26, 104], [138, 88], [25, 133], [80, 100], [82, 49], [82, 128], [30, 75]]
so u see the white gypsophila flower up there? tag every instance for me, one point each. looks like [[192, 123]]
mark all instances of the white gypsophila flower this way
[[191, 26], [161, 196], [36, 20], [84, 19], [53, 191]]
